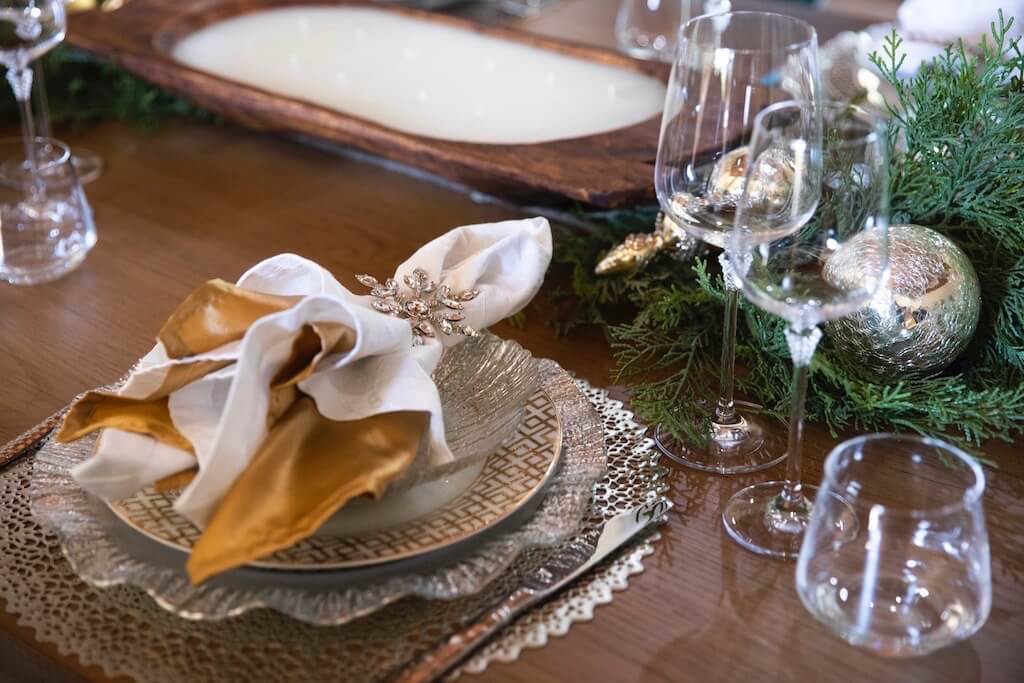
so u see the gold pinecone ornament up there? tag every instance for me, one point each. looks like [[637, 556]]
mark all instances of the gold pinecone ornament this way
[[639, 248]]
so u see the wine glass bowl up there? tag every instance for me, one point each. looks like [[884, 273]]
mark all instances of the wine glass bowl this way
[[29, 29], [916, 577], [727, 67], [817, 256]]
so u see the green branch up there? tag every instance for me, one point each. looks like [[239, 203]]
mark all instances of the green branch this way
[[957, 141]]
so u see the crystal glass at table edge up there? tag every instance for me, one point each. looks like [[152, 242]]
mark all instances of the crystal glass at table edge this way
[[917, 576], [809, 257], [727, 68], [646, 29], [46, 224]]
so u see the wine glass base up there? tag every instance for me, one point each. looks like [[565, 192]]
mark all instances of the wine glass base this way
[[756, 520], [755, 442]]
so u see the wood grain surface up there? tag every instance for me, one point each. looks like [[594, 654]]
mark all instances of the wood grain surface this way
[[186, 203]]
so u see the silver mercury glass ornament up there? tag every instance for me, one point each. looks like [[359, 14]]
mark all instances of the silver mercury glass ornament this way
[[922, 319]]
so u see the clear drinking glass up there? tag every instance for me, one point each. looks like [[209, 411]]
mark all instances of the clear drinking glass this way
[[727, 68], [810, 245], [46, 224], [647, 29], [916, 577]]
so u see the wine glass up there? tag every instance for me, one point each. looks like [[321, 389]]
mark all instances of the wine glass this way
[[917, 577], [646, 29], [809, 245], [726, 69], [28, 30]]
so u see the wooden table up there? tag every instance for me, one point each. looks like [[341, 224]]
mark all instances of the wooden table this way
[[186, 203]]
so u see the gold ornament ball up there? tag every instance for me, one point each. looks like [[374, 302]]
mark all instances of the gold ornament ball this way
[[922, 318]]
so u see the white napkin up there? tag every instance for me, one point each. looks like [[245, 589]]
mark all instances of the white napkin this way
[[223, 415], [945, 21]]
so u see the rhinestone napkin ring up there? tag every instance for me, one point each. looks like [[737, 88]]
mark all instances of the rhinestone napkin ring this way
[[429, 308]]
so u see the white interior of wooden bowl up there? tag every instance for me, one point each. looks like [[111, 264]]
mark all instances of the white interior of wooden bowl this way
[[421, 76]]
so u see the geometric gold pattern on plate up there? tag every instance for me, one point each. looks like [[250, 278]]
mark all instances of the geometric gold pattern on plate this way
[[510, 478]]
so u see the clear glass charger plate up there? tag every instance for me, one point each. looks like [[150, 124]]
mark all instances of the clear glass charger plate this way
[[106, 552]]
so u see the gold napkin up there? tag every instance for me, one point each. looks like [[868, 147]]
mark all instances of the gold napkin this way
[[307, 468]]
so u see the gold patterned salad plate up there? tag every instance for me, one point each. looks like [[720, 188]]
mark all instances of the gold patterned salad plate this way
[[423, 519]]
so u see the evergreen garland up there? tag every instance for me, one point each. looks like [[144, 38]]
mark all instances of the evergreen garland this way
[[957, 139]]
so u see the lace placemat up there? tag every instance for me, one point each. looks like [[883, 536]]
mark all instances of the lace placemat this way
[[122, 631]]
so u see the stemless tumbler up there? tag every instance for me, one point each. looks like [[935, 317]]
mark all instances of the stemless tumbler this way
[[46, 225], [916, 577]]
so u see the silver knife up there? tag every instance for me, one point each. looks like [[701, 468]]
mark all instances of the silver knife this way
[[537, 586]]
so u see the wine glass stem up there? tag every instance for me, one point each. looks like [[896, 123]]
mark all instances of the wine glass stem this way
[[802, 344], [42, 106], [725, 411], [792, 493], [20, 79]]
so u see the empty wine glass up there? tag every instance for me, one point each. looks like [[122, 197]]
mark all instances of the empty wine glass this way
[[727, 68], [916, 577], [646, 29], [808, 261], [28, 30], [46, 224]]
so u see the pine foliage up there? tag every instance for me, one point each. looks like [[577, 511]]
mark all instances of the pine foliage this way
[[957, 141]]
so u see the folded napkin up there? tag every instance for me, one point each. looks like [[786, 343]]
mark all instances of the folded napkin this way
[[278, 399], [946, 21]]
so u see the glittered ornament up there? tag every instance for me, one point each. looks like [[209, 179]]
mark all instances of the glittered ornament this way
[[639, 248], [924, 315]]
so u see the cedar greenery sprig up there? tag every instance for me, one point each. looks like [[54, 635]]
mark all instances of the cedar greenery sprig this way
[[957, 139]]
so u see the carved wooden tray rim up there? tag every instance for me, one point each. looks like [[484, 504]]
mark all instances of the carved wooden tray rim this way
[[619, 162]]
